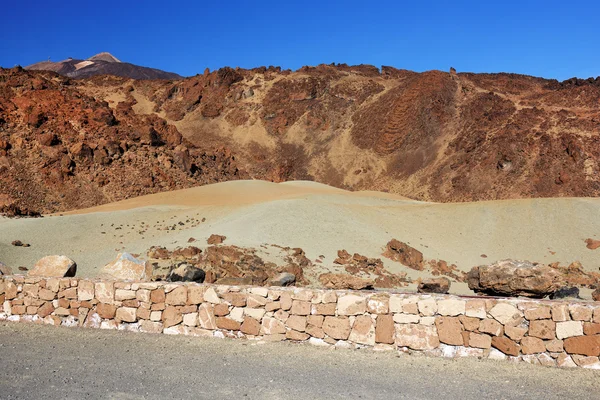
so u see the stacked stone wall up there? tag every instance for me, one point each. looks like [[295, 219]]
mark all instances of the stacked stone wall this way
[[552, 333]]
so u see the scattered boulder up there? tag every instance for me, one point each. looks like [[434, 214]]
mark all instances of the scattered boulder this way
[[54, 266], [185, 272], [216, 239], [514, 278], [127, 267], [596, 295], [283, 279], [18, 243], [342, 281], [5, 270], [405, 254], [566, 292], [434, 285], [592, 244]]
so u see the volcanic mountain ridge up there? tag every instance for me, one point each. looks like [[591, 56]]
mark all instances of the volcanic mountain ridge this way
[[101, 64], [434, 136]]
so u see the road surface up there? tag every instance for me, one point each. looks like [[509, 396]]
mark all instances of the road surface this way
[[44, 362]]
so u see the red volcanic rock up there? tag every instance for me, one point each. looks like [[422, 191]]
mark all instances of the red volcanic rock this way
[[48, 139], [592, 244], [216, 239], [507, 135], [405, 254]]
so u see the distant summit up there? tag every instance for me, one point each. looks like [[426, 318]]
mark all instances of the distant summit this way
[[102, 64], [104, 56]]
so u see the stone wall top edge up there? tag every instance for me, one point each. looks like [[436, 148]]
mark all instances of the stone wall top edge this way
[[223, 288]]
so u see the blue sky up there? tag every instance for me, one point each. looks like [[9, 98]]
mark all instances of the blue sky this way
[[553, 39]]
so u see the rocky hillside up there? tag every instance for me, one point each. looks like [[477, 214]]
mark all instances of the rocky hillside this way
[[101, 64], [435, 136]]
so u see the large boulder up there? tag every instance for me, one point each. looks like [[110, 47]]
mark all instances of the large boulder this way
[[127, 267], [185, 272], [54, 266], [5, 270], [514, 278]]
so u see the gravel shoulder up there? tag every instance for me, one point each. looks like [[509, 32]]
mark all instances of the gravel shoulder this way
[[42, 362]]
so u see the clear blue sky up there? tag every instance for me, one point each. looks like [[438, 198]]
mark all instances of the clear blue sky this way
[[554, 39]]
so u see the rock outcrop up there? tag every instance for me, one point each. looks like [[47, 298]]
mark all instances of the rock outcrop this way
[[66, 143], [230, 265], [514, 278]]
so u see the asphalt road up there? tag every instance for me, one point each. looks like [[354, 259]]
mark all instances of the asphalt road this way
[[42, 362]]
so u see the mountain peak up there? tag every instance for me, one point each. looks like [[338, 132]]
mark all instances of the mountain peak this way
[[104, 56]]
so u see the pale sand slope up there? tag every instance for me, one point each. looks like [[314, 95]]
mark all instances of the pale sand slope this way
[[319, 219]]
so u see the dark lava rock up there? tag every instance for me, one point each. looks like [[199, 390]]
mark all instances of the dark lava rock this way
[[283, 279], [187, 273], [566, 292], [434, 285]]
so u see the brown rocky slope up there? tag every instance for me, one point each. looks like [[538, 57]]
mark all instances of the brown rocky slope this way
[[436, 136]]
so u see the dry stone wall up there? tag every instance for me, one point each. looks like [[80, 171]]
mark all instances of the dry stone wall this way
[[552, 333]]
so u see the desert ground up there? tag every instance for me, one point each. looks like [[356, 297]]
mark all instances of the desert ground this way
[[319, 219]]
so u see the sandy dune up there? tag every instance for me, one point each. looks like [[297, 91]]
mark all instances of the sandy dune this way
[[317, 218]]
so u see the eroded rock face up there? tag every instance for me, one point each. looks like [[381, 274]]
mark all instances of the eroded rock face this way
[[390, 112], [127, 267], [55, 266], [514, 278]]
